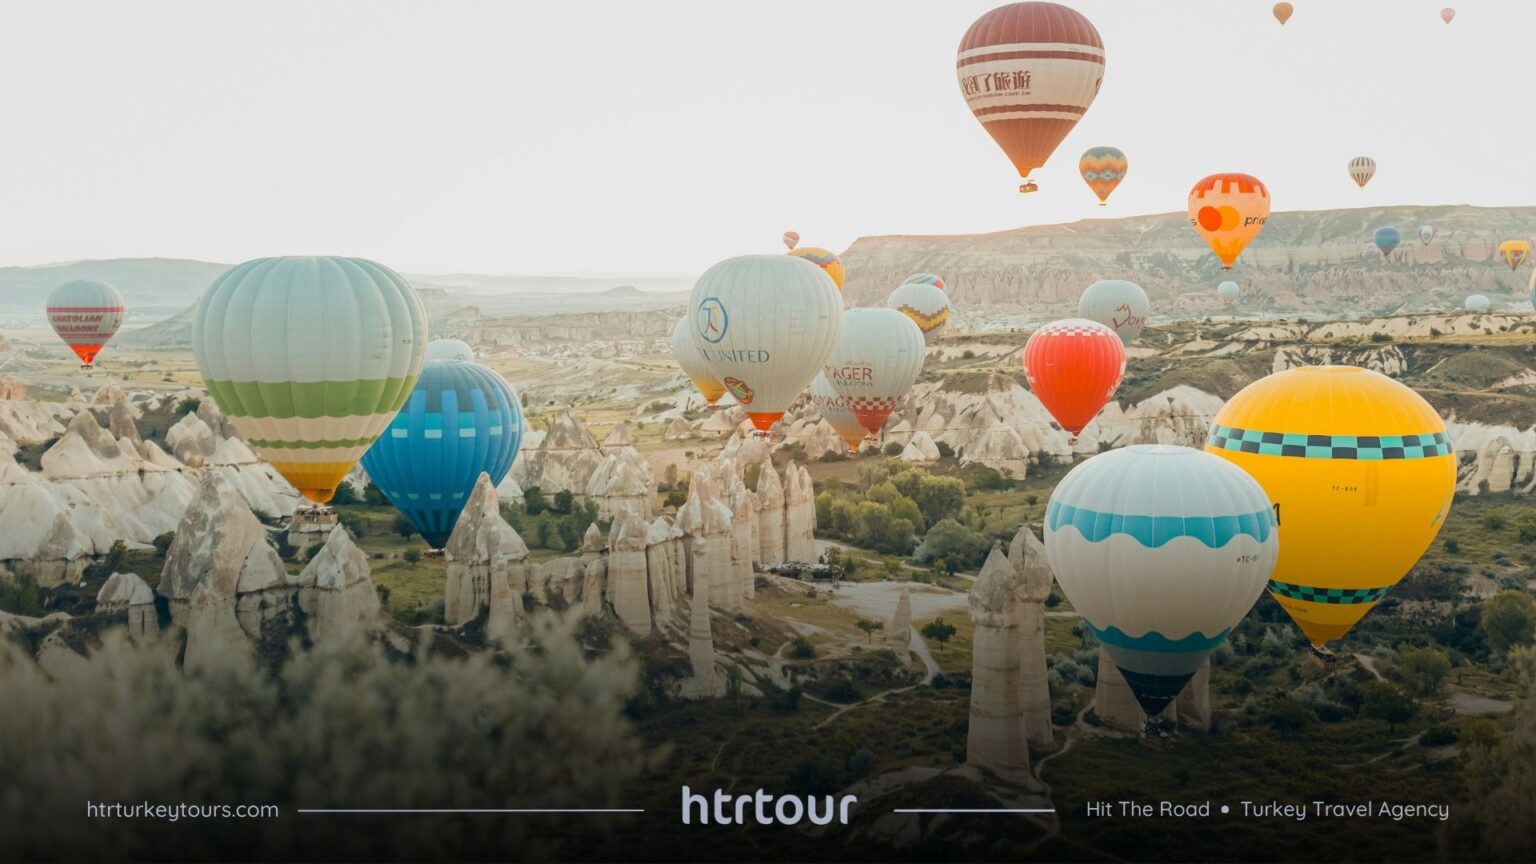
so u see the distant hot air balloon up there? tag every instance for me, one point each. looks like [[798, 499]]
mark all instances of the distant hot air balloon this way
[[1283, 12], [1117, 304], [1426, 234], [833, 408], [791, 239], [1228, 211], [1362, 169], [85, 314], [1447, 14], [1074, 366], [461, 419], [933, 279], [1162, 550], [449, 349], [824, 259], [1514, 252], [309, 358], [924, 302], [765, 325], [1229, 292], [1360, 473], [1530, 286], [1476, 303], [1029, 71], [1386, 239], [878, 356], [686, 352], [1102, 168]]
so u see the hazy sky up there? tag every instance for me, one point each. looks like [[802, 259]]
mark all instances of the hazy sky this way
[[659, 136]]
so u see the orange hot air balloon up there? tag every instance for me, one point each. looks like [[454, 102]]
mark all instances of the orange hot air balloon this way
[[1514, 252], [1447, 14], [791, 239], [1029, 71], [1074, 366], [1102, 168], [825, 259], [1283, 12], [1228, 211]]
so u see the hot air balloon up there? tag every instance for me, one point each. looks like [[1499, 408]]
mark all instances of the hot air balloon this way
[[765, 325], [1029, 71], [1447, 14], [878, 356], [1362, 169], [1102, 168], [1283, 12], [1228, 211], [1117, 304], [1386, 239], [933, 279], [833, 408], [1476, 303], [85, 314], [1074, 366], [1514, 252], [1360, 473], [686, 352], [309, 358], [924, 302], [1229, 291], [460, 420], [1162, 551], [791, 239], [1530, 286], [824, 259], [1426, 234], [449, 349]]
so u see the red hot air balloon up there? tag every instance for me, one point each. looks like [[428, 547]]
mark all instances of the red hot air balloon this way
[[1074, 366], [1028, 72]]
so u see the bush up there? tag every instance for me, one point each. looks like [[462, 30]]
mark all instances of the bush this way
[[950, 540], [373, 496], [969, 354], [563, 502], [188, 405], [945, 451], [1508, 619], [843, 692], [1454, 548], [1494, 522], [892, 449], [402, 526], [21, 598], [345, 494], [163, 543], [802, 649], [412, 557]]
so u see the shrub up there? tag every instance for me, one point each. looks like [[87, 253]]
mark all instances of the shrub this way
[[969, 354], [892, 449], [802, 649], [402, 526], [163, 543], [188, 405], [412, 557]]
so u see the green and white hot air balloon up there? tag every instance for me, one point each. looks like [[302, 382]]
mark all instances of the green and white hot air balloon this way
[[310, 358]]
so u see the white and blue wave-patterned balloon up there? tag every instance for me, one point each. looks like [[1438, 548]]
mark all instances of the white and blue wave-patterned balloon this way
[[1162, 550]]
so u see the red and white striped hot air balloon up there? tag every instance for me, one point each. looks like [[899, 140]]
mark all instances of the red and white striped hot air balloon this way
[[791, 240], [85, 314], [878, 356], [1028, 72], [1074, 366]]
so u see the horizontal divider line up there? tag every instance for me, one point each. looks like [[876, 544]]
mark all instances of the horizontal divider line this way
[[488, 810]]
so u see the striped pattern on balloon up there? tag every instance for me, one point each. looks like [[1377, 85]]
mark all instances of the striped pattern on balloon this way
[[1228, 211], [85, 314], [878, 356], [1074, 366]]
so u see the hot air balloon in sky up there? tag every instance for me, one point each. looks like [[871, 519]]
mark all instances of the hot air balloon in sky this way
[[834, 409], [1386, 239], [1102, 168], [686, 352], [1476, 303], [1447, 14], [1360, 473], [1162, 550], [878, 356], [1530, 286], [1283, 12], [933, 279], [460, 420], [924, 302], [1514, 252], [1029, 71], [1228, 211], [791, 239], [824, 259], [1074, 366], [1229, 291], [85, 314], [765, 325], [1117, 304], [1362, 169], [1426, 234], [310, 358], [449, 349]]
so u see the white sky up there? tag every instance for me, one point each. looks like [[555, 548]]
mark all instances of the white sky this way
[[660, 136]]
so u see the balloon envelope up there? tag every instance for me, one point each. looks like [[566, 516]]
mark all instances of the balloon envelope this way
[[686, 352], [309, 358], [1362, 169], [1514, 252], [1229, 291], [825, 259], [85, 314], [449, 349], [1386, 239], [1360, 473], [933, 279], [1162, 550], [1476, 303], [925, 303], [1426, 234], [1102, 168], [1117, 304], [1028, 72], [460, 420], [1074, 366], [1283, 12], [1447, 14], [1228, 211], [833, 408], [878, 356], [791, 239]]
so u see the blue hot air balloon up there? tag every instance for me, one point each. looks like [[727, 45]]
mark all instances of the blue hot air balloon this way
[[461, 419], [1386, 239]]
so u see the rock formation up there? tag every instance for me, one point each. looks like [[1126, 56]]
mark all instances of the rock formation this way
[[487, 569], [770, 514], [899, 634], [1027, 555], [799, 514], [706, 522], [1193, 705], [622, 483], [704, 683], [619, 438], [920, 449], [997, 741], [1113, 702], [126, 592], [628, 567], [563, 459], [335, 589]]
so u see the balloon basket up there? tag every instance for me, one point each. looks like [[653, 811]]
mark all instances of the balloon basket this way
[[1324, 658], [1028, 186]]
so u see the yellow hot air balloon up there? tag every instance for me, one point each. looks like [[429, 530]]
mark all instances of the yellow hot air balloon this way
[[825, 259], [1360, 473], [1514, 252], [1228, 211]]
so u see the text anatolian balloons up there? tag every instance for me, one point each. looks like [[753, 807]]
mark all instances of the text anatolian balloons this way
[[85, 314], [1362, 169], [1117, 304], [877, 359], [765, 325], [1029, 71], [1162, 550], [833, 408], [1228, 211], [686, 352], [1074, 366], [310, 358]]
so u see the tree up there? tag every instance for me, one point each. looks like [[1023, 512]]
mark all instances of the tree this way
[[570, 536], [1388, 703], [939, 631], [534, 501], [892, 569], [188, 405], [892, 449], [939, 498], [948, 537], [802, 649], [373, 496], [1508, 619], [402, 526], [850, 567], [869, 627], [1289, 717], [1423, 668], [412, 557], [163, 543], [563, 502], [541, 534]]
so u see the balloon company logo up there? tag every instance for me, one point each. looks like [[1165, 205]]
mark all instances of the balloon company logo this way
[[712, 320], [1127, 318], [1224, 218], [850, 373], [1011, 82], [739, 389]]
